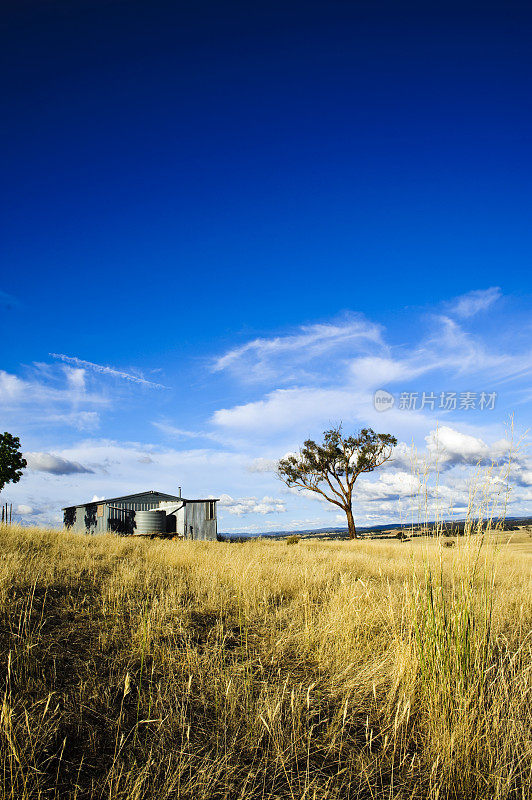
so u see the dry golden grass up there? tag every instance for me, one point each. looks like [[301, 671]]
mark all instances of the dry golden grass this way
[[144, 669]]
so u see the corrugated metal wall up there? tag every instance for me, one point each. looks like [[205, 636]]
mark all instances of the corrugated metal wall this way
[[197, 526]]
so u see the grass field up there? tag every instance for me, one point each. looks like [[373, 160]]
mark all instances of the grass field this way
[[147, 669]]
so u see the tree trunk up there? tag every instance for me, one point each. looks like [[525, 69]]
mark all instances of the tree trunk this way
[[351, 527]]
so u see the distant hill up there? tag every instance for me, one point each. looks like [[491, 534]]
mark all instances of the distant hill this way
[[451, 526]]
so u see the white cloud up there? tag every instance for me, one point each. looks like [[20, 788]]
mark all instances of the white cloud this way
[[522, 475], [104, 370], [283, 357], [48, 396], [382, 486], [467, 305], [81, 420], [181, 433], [24, 510], [11, 387], [447, 446], [340, 388], [47, 462], [286, 408], [252, 505], [289, 416], [76, 378], [43, 392], [262, 465], [377, 371], [388, 486]]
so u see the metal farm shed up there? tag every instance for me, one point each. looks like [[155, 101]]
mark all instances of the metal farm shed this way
[[189, 519]]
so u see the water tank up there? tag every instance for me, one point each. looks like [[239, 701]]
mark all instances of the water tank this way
[[147, 522]]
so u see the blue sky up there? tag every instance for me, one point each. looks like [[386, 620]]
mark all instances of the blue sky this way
[[254, 218]]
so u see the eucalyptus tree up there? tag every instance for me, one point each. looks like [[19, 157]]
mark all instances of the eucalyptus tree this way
[[12, 463], [330, 468]]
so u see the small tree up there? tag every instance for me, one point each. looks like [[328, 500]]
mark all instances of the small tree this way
[[330, 469], [11, 460]]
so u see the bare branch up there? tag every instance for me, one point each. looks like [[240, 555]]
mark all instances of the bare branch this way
[[319, 491]]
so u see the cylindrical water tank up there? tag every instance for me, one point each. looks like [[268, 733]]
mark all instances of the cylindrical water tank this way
[[147, 522]]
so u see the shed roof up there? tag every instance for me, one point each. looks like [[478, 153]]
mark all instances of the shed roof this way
[[162, 495]]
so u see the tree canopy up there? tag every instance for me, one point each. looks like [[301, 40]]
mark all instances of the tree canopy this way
[[331, 468], [12, 462]]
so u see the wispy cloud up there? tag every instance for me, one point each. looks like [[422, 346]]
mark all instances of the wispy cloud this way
[[341, 387], [467, 305], [181, 433], [286, 357], [104, 370], [81, 420], [42, 392]]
